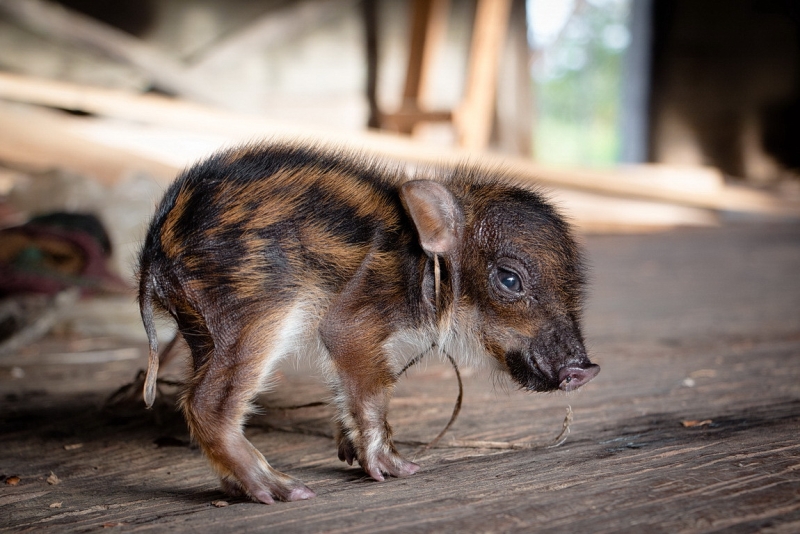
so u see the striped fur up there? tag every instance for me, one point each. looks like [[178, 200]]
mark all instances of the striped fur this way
[[267, 251]]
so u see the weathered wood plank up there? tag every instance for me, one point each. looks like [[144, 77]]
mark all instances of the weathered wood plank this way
[[43, 141], [693, 325]]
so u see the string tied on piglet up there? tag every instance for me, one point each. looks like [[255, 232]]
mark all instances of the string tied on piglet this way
[[437, 284]]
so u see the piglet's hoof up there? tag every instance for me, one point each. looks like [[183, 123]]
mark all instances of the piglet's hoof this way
[[269, 493], [347, 452], [377, 465], [301, 494], [295, 494], [389, 463]]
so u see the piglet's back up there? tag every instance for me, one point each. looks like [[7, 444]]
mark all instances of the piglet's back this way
[[269, 218]]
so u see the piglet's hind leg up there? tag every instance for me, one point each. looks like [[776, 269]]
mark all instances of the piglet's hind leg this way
[[216, 404]]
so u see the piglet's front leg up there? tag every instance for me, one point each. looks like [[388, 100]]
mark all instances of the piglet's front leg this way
[[365, 435], [363, 388]]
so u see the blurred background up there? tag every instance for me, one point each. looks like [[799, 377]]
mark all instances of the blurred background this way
[[634, 115], [667, 131], [584, 82]]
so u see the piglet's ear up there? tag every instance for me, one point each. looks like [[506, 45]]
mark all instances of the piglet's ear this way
[[436, 214]]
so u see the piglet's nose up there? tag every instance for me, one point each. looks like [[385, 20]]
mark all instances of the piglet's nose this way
[[571, 378]]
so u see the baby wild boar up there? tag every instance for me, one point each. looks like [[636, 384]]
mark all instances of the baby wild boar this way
[[267, 251]]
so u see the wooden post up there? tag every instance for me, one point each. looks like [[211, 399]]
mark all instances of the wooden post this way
[[474, 117], [369, 13], [512, 132], [435, 33], [428, 25]]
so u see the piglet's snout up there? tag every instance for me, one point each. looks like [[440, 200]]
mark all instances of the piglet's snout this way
[[571, 378]]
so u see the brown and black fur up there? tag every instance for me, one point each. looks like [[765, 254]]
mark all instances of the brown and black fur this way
[[274, 250]]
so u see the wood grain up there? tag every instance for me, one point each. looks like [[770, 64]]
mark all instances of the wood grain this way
[[691, 325]]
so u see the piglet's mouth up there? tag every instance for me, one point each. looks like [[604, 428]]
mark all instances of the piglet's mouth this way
[[571, 378]]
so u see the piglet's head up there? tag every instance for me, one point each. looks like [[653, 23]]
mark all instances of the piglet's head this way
[[513, 264]]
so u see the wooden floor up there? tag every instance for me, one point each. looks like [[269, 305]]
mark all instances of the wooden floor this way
[[693, 425]]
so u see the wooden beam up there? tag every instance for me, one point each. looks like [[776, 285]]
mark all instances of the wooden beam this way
[[40, 140], [405, 120], [148, 108], [701, 187]]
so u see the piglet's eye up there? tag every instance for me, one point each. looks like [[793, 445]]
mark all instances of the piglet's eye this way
[[509, 280]]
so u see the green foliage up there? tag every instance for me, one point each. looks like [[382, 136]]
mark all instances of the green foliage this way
[[577, 81]]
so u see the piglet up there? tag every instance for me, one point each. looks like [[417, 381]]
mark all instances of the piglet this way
[[267, 251]]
